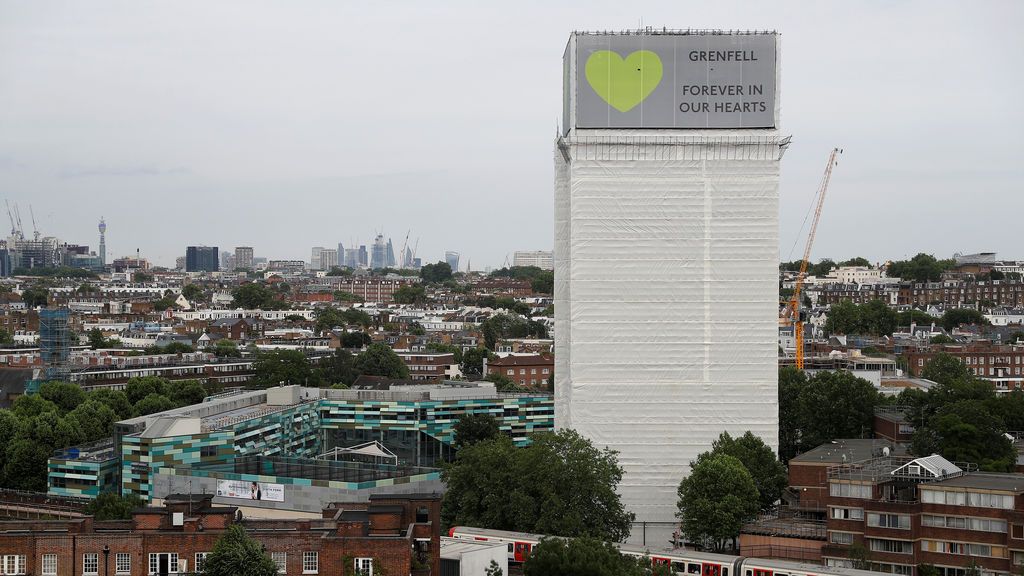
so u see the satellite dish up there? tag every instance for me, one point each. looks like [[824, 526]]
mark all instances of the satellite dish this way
[[885, 451]]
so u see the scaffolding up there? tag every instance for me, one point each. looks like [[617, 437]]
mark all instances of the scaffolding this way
[[53, 343]]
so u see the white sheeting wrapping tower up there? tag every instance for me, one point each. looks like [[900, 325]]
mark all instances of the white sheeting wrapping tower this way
[[666, 297]]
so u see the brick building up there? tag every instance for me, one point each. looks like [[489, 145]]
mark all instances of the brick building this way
[[951, 293], [1003, 364], [370, 288], [808, 479], [387, 535], [927, 511], [503, 287], [528, 371], [427, 365]]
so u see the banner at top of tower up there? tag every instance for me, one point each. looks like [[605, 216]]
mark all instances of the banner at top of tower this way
[[671, 81]]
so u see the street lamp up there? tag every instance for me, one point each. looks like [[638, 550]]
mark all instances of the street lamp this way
[[106, 558]]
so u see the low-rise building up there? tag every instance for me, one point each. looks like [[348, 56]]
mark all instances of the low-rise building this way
[[526, 370], [387, 535]]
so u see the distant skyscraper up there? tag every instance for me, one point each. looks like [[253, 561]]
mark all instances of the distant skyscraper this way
[[202, 259], [391, 255], [452, 258], [314, 259], [379, 256], [407, 258], [328, 258], [227, 260], [352, 258], [341, 254], [244, 257], [363, 257], [540, 259], [179, 263], [103, 242]]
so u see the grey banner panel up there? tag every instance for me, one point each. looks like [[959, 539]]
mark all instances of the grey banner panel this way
[[675, 81]]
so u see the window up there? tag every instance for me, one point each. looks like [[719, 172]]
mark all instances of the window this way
[[894, 546], [90, 563], [364, 566], [281, 559], [1017, 531], [511, 371], [898, 521], [522, 371], [123, 563], [15, 564], [49, 564], [310, 562], [207, 451], [546, 371], [1018, 558], [848, 513], [841, 537], [850, 490], [168, 559], [200, 560]]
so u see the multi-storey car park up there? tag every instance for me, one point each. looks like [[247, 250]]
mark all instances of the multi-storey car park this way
[[274, 435]]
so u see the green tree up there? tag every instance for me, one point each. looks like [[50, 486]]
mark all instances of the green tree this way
[[585, 557], [140, 387], [97, 340], [380, 360], [409, 294], [493, 569], [915, 317], [821, 408], [355, 340], [920, 268], [543, 283], [436, 273], [473, 361], [116, 400], [32, 405], [343, 296], [561, 485], [64, 394], [193, 292], [769, 474], [354, 316], [715, 500], [822, 268], [339, 271], [328, 318], [502, 383], [6, 338], [836, 405], [187, 392], [111, 506], [237, 553], [446, 349], [956, 317], [473, 428], [966, 431], [255, 296], [95, 419], [502, 326], [225, 348], [283, 366], [856, 261], [512, 305], [942, 339], [945, 368], [339, 368], [37, 296], [152, 404]]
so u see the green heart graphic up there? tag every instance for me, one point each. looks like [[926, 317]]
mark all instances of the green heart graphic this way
[[623, 83]]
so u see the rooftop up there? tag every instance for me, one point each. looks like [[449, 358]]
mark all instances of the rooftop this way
[[850, 450], [986, 481]]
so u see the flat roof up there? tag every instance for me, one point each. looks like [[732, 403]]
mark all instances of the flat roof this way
[[985, 481], [854, 450]]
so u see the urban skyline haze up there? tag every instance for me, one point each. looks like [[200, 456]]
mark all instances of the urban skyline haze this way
[[284, 127]]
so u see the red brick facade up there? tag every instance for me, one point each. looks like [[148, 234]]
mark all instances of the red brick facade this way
[[530, 371], [391, 531]]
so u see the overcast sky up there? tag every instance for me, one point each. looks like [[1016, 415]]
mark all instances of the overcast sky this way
[[286, 125]]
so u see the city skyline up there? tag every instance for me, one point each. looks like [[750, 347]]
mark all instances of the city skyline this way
[[107, 111]]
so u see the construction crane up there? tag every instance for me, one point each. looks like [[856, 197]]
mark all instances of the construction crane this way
[[14, 229], [35, 229], [405, 245], [794, 303]]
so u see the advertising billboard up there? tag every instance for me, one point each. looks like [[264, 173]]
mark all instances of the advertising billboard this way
[[250, 490], [674, 80]]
